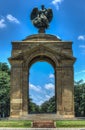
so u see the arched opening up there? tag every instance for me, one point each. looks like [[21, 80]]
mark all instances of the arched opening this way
[[41, 90]]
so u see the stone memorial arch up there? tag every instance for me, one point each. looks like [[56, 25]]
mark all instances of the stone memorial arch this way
[[42, 47]]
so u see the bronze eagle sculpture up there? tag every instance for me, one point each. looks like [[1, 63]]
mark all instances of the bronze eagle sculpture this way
[[41, 18]]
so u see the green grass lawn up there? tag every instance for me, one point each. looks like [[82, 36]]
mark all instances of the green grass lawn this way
[[70, 123], [20, 124], [28, 124]]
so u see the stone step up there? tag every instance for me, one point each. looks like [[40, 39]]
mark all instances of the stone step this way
[[43, 124]]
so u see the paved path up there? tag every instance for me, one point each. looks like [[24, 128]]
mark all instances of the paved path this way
[[42, 128]]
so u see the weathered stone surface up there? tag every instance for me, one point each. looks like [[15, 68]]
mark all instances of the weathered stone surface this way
[[59, 54], [43, 124]]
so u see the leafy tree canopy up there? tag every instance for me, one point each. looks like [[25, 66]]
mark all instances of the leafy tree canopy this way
[[4, 89], [79, 98]]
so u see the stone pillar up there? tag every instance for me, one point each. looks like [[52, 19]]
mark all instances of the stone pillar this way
[[16, 89], [68, 92], [58, 90], [25, 90]]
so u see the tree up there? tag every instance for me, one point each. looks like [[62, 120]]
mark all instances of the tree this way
[[4, 67], [4, 89], [44, 107], [52, 105], [79, 98], [33, 107], [48, 106]]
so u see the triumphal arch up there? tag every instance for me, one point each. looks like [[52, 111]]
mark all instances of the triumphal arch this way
[[42, 47]]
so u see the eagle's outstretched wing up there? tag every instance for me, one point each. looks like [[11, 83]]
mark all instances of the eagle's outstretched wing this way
[[34, 13], [49, 14]]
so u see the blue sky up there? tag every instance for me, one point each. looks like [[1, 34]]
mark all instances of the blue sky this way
[[42, 82], [68, 23]]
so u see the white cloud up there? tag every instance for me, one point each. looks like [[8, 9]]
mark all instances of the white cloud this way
[[49, 86], [12, 19], [2, 23], [41, 94], [40, 102], [57, 3], [80, 72], [35, 88], [82, 46], [81, 37], [47, 97], [51, 76]]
